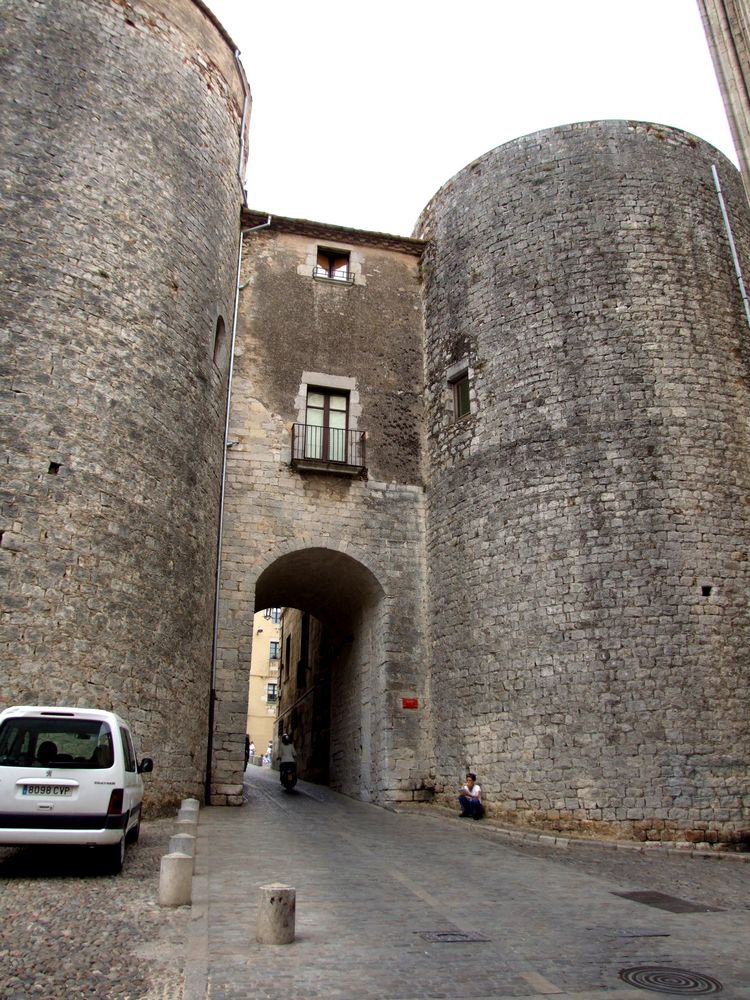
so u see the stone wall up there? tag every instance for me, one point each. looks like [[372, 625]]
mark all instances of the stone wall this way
[[120, 234], [347, 549], [727, 27], [588, 521]]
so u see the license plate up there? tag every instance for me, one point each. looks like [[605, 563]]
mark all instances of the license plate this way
[[57, 791]]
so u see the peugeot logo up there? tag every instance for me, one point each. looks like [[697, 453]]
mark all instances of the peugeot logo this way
[[49, 774]]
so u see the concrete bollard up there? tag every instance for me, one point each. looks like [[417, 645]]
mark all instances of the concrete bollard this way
[[186, 826], [175, 880], [182, 843], [190, 804], [276, 910], [192, 814]]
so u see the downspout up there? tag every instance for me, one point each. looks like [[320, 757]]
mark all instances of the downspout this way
[[732, 247], [222, 493]]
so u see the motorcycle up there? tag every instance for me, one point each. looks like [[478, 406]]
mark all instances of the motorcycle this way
[[288, 776]]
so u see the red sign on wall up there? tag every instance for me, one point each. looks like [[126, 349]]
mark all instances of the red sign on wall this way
[[410, 702]]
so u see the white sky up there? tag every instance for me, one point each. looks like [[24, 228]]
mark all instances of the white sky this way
[[362, 111]]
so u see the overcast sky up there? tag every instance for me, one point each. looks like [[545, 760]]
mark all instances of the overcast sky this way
[[362, 111]]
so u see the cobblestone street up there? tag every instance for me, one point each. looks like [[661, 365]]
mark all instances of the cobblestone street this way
[[67, 932], [379, 897], [371, 884]]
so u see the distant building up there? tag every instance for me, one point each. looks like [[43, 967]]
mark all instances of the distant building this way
[[263, 690]]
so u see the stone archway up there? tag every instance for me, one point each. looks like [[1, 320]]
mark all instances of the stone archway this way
[[366, 647], [332, 665]]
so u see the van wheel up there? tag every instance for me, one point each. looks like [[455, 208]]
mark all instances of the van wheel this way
[[113, 857]]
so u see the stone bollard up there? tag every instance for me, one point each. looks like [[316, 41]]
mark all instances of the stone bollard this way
[[186, 826], [182, 843], [276, 907], [192, 814], [175, 880], [190, 804]]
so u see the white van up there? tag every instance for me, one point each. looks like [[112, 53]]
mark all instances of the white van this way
[[70, 776]]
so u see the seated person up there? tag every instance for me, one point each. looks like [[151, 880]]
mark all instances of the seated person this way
[[46, 751], [470, 798]]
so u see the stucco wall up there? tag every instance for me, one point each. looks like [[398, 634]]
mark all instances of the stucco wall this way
[[120, 234], [588, 522]]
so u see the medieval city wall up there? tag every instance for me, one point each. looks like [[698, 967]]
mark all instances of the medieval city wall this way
[[588, 520], [121, 199], [348, 549]]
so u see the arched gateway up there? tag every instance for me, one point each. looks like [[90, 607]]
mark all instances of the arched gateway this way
[[338, 674], [324, 505]]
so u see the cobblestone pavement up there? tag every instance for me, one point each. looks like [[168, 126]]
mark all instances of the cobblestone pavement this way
[[67, 932], [371, 884]]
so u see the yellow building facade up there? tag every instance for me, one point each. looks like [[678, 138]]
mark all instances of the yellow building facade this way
[[263, 694]]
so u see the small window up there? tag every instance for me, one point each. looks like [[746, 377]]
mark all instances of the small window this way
[[332, 264], [221, 344], [272, 693], [461, 403], [274, 654], [273, 615], [127, 749]]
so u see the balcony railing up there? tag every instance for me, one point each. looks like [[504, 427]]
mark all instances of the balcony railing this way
[[342, 274], [331, 449]]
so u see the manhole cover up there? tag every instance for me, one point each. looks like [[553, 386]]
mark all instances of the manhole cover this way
[[451, 937], [664, 902], [679, 982]]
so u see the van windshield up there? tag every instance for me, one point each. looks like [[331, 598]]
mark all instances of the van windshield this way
[[55, 742]]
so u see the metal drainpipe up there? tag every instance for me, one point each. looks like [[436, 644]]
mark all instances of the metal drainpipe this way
[[732, 247], [220, 536]]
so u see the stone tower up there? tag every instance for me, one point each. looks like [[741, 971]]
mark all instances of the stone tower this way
[[122, 125], [587, 504], [727, 27]]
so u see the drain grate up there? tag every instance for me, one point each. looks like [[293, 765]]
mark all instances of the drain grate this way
[[664, 902], [451, 937], [678, 982]]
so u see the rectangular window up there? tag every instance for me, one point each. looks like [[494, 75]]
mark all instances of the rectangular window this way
[[271, 692], [46, 742], [332, 264], [461, 403], [326, 420], [274, 653]]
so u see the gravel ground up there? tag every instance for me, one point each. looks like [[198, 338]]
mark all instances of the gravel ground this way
[[68, 932]]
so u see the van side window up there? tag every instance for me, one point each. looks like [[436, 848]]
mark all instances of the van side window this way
[[127, 749]]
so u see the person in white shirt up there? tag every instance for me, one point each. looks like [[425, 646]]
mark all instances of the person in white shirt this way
[[287, 757], [470, 798]]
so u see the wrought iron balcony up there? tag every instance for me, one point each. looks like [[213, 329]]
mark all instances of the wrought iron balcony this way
[[328, 449], [342, 274]]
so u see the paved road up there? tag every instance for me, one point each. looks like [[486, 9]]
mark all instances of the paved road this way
[[381, 894]]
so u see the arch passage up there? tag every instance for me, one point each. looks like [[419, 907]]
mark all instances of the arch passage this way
[[330, 585], [347, 656], [330, 659]]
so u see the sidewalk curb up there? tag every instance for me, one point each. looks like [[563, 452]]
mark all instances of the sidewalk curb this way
[[494, 829]]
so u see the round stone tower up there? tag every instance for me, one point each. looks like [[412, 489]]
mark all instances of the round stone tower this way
[[122, 124], [588, 392]]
